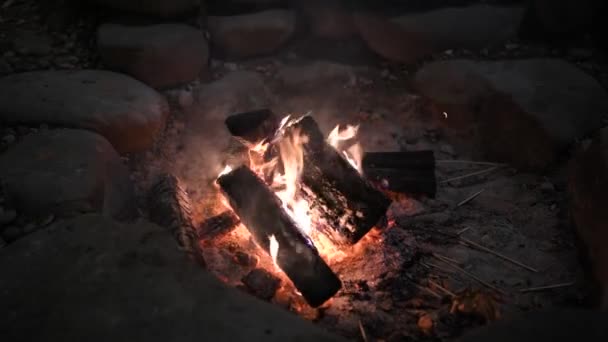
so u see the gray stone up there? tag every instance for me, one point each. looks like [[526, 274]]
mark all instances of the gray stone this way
[[524, 110], [253, 34], [161, 8], [127, 112], [472, 27], [95, 280], [65, 172], [159, 55]]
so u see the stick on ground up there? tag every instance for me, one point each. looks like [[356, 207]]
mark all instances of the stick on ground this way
[[547, 287]]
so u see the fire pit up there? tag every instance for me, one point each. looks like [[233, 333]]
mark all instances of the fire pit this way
[[317, 226]]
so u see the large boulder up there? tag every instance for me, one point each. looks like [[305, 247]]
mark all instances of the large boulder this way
[[159, 55], [93, 279], [390, 40], [250, 35], [125, 111], [409, 38], [588, 190], [472, 27], [66, 172], [521, 112], [160, 8]]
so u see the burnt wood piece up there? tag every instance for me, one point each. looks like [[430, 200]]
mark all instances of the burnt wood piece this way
[[348, 203], [218, 225], [252, 127], [261, 211], [405, 172], [169, 207]]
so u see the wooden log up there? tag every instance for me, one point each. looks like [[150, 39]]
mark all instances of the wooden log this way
[[349, 204], [252, 127], [169, 206], [405, 172], [261, 211]]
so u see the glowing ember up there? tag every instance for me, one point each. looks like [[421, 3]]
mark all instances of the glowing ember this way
[[274, 249], [352, 154]]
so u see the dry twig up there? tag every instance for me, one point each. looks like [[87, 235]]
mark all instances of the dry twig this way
[[472, 276], [470, 198], [470, 162], [476, 173], [446, 291], [362, 330], [466, 241], [547, 287]]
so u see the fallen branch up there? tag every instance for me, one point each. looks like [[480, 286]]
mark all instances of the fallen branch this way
[[547, 287]]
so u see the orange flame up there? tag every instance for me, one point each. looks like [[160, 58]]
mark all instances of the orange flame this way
[[274, 249], [352, 154]]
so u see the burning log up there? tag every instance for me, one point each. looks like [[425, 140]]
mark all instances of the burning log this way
[[347, 202], [252, 127], [406, 172], [169, 206], [261, 211]]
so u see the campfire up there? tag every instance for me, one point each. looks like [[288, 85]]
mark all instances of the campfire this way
[[304, 198]]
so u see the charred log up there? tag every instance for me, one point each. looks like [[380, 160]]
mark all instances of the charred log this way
[[169, 207], [349, 204], [262, 213], [405, 172], [218, 225], [252, 127]]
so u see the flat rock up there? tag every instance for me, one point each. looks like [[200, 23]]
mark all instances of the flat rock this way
[[104, 281], [160, 8], [159, 55], [545, 103], [63, 172], [472, 27], [253, 34], [588, 192], [125, 111]]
